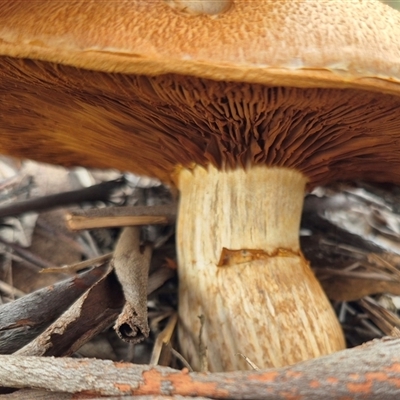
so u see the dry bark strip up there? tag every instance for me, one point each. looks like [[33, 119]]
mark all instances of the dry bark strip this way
[[93, 312], [131, 263], [25, 318], [371, 371]]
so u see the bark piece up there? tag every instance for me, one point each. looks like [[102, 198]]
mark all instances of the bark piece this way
[[132, 262], [93, 312], [89, 315], [25, 318], [370, 371]]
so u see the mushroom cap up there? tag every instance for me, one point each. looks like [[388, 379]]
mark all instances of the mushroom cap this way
[[147, 85], [290, 42]]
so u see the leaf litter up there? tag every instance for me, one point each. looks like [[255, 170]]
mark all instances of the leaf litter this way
[[350, 233]]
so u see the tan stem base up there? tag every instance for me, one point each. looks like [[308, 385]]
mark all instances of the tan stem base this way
[[241, 268]]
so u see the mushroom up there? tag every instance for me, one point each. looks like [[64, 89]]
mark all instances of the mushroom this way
[[243, 106]]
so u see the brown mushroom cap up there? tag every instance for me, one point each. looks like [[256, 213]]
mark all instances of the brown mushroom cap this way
[[142, 86]]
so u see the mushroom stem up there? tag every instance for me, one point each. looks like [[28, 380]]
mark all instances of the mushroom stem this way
[[241, 268]]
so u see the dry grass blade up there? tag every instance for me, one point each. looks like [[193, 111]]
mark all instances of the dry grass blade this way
[[74, 268], [380, 261], [163, 338], [384, 319], [252, 365]]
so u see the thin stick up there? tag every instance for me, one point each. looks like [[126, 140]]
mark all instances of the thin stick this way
[[121, 216], [100, 192]]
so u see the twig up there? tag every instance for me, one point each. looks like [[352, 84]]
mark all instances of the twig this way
[[121, 216], [99, 192], [132, 262], [370, 371]]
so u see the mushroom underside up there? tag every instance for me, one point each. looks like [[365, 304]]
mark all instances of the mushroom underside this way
[[72, 116]]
